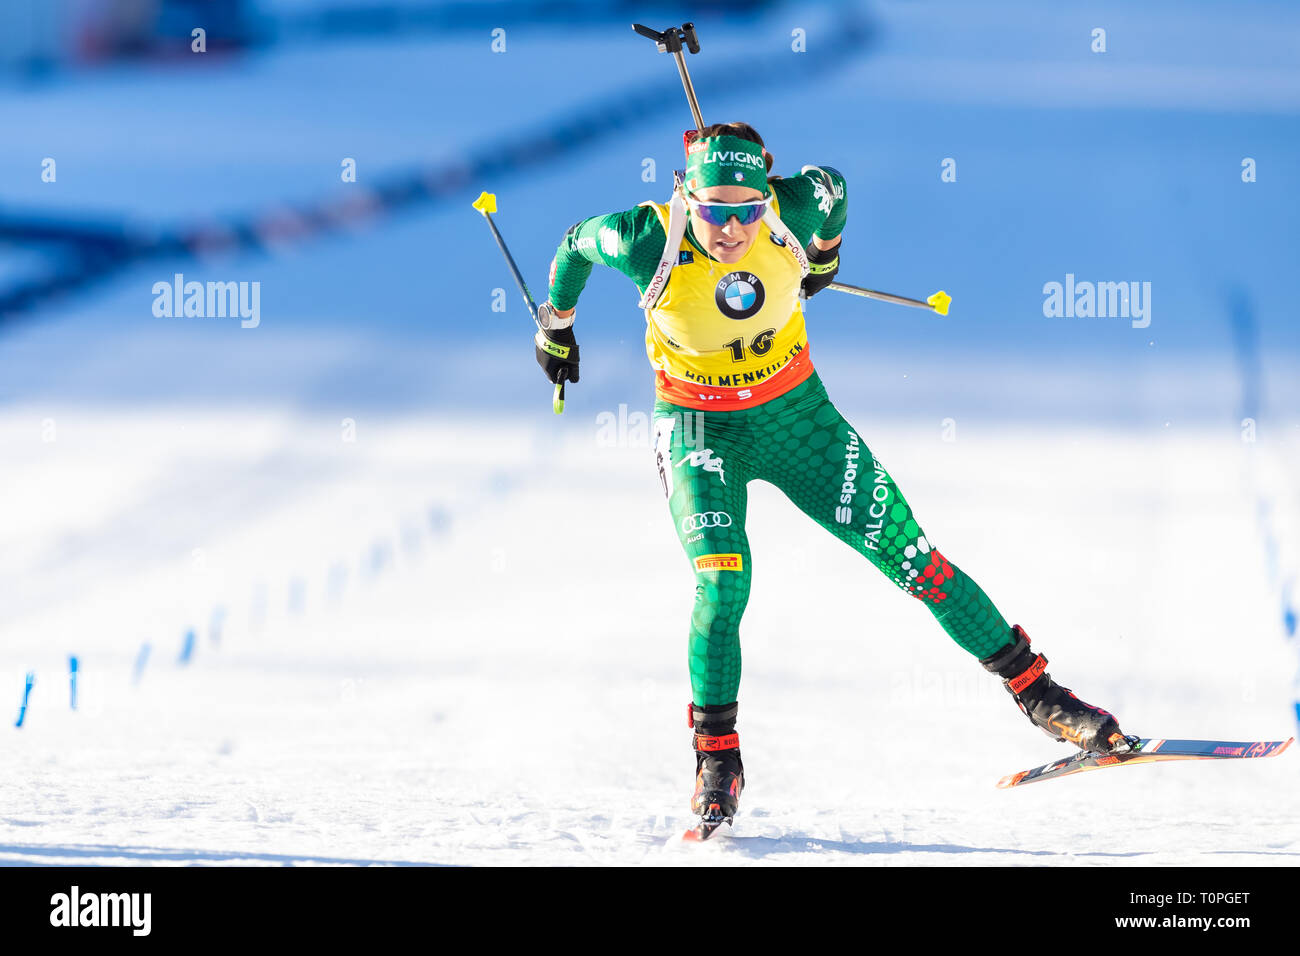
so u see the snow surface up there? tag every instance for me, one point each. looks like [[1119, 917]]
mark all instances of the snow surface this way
[[460, 637], [504, 690]]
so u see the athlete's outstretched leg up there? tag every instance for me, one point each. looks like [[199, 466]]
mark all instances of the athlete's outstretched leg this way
[[810, 452], [706, 488], [824, 467], [707, 497]]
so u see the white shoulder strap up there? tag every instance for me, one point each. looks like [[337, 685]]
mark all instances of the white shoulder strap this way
[[782, 232], [676, 230]]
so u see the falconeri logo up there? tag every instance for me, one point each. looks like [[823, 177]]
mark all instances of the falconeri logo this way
[[739, 295]]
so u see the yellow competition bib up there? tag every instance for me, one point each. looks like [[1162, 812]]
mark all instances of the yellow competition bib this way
[[728, 335]]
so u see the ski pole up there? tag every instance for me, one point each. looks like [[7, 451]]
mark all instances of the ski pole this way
[[937, 302], [670, 41], [487, 204]]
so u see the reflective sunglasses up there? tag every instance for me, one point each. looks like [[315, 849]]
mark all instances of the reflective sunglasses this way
[[719, 213]]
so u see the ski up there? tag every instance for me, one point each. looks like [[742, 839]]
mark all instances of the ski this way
[[1149, 750], [702, 831], [710, 822]]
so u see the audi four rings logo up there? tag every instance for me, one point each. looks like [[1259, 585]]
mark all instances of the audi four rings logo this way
[[706, 519]]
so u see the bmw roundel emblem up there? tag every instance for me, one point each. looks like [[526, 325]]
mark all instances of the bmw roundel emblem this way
[[739, 295]]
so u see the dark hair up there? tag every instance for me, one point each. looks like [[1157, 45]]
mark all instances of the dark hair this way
[[743, 131]]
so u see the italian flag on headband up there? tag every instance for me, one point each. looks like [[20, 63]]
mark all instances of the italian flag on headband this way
[[724, 161]]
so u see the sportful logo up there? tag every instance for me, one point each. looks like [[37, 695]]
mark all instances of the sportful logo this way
[[131, 910], [705, 519], [844, 513], [704, 459]]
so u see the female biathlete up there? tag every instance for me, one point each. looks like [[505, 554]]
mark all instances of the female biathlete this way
[[720, 268]]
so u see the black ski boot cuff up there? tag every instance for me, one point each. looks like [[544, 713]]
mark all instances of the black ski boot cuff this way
[[712, 718], [1017, 664], [714, 726]]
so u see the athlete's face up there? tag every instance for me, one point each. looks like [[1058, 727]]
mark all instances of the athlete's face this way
[[727, 243]]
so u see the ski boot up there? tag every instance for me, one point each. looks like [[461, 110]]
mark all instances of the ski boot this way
[[719, 774], [1049, 706]]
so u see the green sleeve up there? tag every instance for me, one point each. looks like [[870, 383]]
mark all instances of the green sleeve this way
[[813, 203], [631, 241]]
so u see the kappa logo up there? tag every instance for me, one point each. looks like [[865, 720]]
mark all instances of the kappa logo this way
[[739, 295], [704, 459], [608, 241], [719, 562], [823, 196], [663, 441], [705, 519]]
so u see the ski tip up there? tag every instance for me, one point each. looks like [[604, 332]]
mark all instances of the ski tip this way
[[940, 302], [486, 203], [702, 831], [1011, 779]]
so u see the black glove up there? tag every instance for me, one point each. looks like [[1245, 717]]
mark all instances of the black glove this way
[[557, 351], [822, 266]]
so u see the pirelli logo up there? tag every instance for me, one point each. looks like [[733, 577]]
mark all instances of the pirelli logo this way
[[719, 562]]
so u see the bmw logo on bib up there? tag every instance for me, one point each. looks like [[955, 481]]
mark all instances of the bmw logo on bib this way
[[739, 295]]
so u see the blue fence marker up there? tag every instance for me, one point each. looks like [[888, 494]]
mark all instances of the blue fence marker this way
[[187, 648], [297, 594], [215, 625], [27, 693], [338, 579], [72, 681], [381, 553], [257, 607], [141, 659], [1250, 373], [439, 520]]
